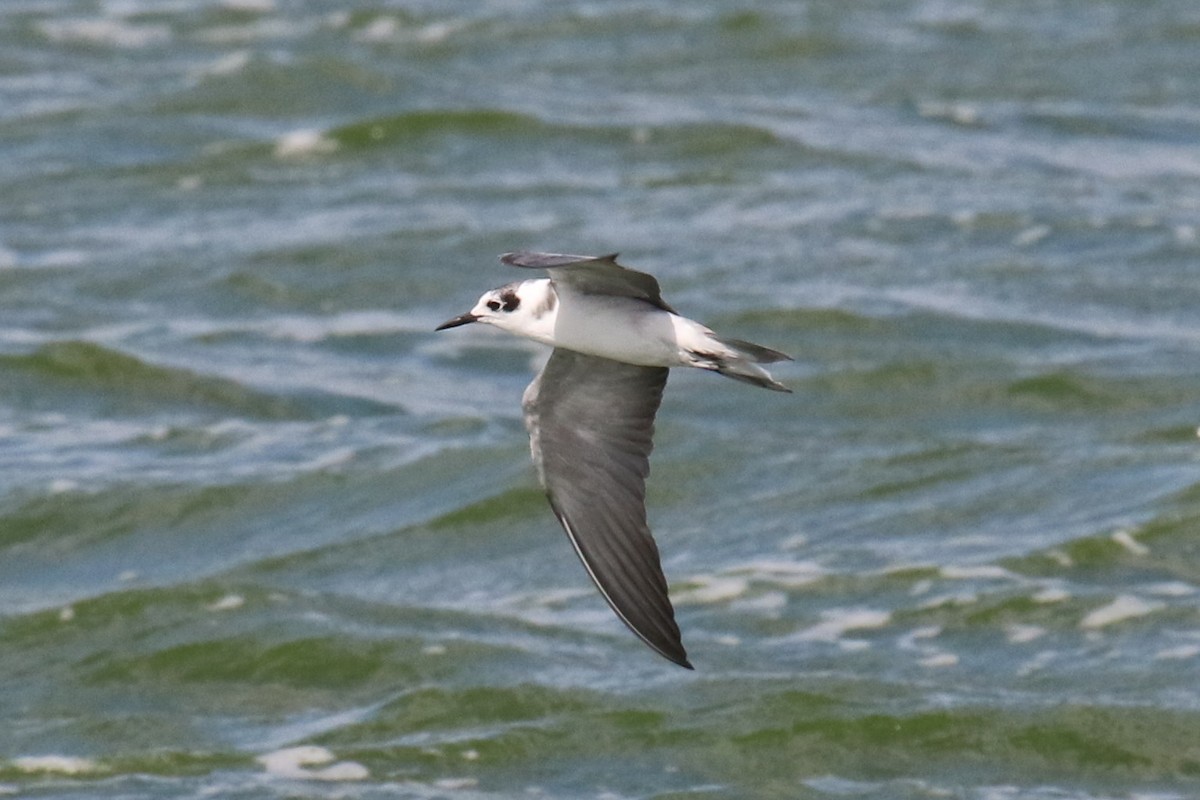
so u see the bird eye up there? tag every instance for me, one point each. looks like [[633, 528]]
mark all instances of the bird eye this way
[[493, 305]]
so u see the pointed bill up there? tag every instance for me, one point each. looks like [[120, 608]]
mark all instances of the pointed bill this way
[[591, 423], [461, 319]]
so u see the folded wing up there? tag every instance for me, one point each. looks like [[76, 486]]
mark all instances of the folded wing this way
[[592, 275], [591, 423]]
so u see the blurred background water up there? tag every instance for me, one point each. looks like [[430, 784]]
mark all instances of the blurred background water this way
[[264, 534]]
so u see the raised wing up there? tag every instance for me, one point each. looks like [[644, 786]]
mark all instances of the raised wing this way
[[591, 423], [592, 275]]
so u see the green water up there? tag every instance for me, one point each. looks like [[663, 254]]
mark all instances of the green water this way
[[263, 534]]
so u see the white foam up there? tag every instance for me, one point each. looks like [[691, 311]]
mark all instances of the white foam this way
[[1037, 663], [1172, 589], [712, 589], [910, 640], [64, 765], [1061, 558], [1031, 236], [267, 27], [950, 599], [380, 29], [939, 659], [227, 603], [304, 143], [921, 587], [1126, 606], [841, 787], [795, 542], [228, 64], [959, 113], [436, 32], [769, 602], [107, 32], [791, 574], [979, 571], [1126, 540], [839, 621], [1051, 594], [1180, 653], [1020, 634], [297, 762], [931, 656], [853, 645], [452, 784]]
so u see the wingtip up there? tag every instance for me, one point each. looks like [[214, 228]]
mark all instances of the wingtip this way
[[535, 260], [676, 655], [679, 659]]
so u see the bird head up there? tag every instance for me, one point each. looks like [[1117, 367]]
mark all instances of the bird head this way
[[514, 307]]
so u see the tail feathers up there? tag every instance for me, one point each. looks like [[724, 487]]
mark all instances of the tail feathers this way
[[741, 362], [754, 352], [760, 377]]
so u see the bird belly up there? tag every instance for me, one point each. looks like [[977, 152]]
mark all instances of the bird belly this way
[[620, 329]]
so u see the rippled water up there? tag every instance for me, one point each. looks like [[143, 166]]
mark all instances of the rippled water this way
[[264, 534]]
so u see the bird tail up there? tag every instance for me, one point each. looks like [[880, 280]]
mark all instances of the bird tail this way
[[740, 360]]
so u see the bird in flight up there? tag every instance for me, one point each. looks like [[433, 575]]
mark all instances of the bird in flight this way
[[590, 412]]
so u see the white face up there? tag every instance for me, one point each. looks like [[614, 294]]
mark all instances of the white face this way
[[501, 307], [519, 308]]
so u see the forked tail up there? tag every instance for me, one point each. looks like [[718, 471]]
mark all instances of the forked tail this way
[[740, 360]]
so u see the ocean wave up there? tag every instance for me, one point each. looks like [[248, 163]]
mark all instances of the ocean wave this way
[[133, 384], [1157, 548], [75, 370], [454, 737], [679, 139]]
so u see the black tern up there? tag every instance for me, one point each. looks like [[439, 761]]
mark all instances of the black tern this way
[[590, 412]]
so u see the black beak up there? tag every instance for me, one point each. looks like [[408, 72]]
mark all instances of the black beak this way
[[461, 319]]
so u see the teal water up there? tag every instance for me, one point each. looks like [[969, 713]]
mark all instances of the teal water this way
[[263, 534]]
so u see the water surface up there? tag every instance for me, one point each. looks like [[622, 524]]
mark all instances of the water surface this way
[[264, 534]]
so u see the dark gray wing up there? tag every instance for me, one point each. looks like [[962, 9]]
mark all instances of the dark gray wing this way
[[591, 423], [594, 275]]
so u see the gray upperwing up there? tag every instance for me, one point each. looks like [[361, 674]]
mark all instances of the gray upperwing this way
[[592, 275], [591, 423]]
